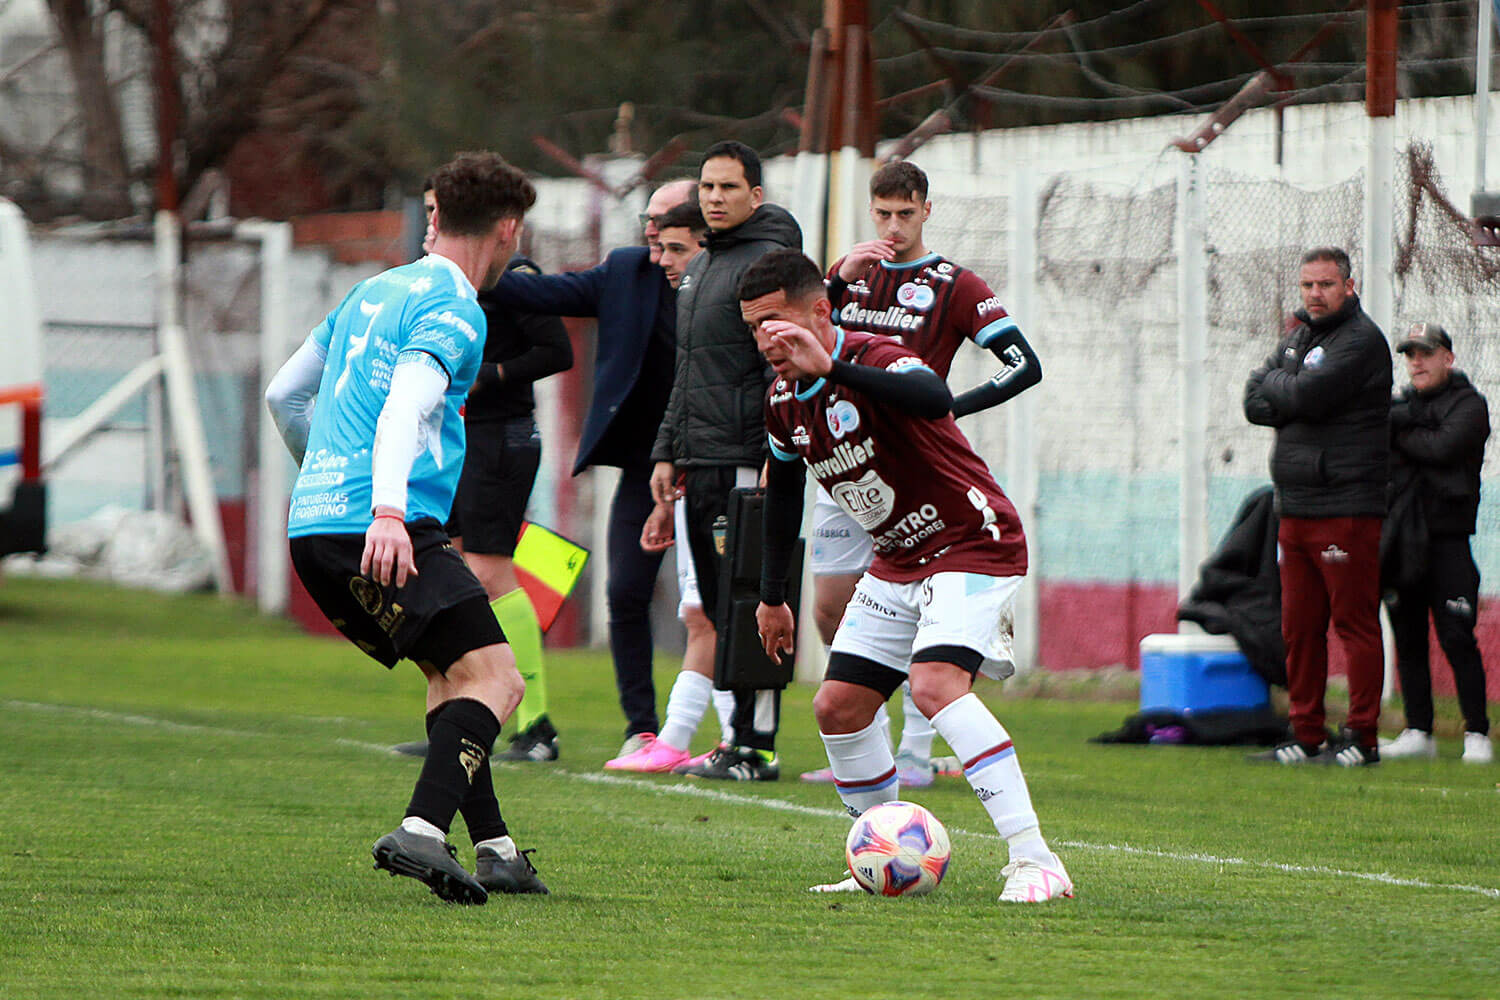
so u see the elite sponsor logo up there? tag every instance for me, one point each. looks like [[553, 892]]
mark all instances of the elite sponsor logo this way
[[890, 318], [800, 437], [846, 457], [1334, 554], [904, 364], [989, 305], [869, 499]]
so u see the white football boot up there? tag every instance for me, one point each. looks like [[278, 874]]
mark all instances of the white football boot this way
[[1030, 881]]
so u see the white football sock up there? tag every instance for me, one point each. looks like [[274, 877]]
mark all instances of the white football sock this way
[[503, 846], [864, 772], [724, 705], [418, 825], [685, 708], [989, 761], [916, 731]]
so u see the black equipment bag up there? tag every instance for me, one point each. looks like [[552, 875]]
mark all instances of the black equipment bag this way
[[739, 659]]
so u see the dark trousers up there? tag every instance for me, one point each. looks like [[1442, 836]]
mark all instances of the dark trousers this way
[[757, 714], [1330, 571], [632, 580], [1450, 592]]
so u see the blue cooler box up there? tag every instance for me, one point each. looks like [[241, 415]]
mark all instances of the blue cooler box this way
[[1198, 673]]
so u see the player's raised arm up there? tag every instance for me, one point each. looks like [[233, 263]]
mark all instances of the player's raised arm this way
[[1019, 370], [905, 383]]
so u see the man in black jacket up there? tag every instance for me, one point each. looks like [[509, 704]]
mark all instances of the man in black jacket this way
[[714, 431], [1327, 392], [1439, 426]]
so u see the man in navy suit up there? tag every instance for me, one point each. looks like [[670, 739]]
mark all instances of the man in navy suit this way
[[635, 301]]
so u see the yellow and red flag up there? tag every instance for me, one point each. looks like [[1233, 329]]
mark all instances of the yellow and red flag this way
[[548, 565]]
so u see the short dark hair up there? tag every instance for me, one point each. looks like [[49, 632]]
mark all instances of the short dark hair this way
[[736, 150], [899, 179], [1333, 254], [784, 270], [684, 215], [476, 190]]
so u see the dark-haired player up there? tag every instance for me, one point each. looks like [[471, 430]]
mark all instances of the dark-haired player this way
[[369, 405], [894, 285], [872, 422]]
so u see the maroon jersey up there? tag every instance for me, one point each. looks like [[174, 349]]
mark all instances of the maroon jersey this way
[[930, 305], [930, 504]]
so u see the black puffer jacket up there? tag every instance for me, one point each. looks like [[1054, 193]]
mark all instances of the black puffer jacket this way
[[716, 415], [1327, 391], [1439, 435]]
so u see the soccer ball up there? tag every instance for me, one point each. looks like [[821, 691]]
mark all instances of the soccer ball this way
[[897, 849]]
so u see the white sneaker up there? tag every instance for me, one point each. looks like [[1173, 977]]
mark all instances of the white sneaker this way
[[1411, 744], [847, 885], [1478, 749], [1030, 881]]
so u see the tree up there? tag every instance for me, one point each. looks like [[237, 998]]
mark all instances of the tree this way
[[235, 67]]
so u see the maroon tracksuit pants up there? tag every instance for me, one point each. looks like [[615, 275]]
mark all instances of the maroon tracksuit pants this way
[[1330, 571]]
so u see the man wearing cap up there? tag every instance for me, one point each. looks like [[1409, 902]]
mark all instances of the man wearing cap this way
[[1327, 392], [1439, 425]]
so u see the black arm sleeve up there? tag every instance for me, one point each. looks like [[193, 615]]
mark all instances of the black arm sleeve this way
[[1020, 370], [916, 390], [550, 352], [781, 521]]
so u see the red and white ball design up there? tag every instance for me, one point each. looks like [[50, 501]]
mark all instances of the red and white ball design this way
[[898, 849]]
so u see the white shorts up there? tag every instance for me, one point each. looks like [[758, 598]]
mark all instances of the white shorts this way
[[887, 622], [839, 545], [687, 576]]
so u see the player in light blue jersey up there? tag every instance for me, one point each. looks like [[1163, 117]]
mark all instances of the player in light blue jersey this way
[[370, 406]]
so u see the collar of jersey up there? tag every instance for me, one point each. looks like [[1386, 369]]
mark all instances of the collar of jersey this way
[[458, 273], [924, 259], [817, 387]]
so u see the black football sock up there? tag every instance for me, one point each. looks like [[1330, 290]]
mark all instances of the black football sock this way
[[480, 808], [461, 734]]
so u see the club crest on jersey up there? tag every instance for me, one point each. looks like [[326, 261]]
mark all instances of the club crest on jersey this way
[[916, 297], [1314, 357], [843, 419]]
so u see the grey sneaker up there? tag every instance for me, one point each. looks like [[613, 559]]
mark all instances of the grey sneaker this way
[[505, 869], [428, 860]]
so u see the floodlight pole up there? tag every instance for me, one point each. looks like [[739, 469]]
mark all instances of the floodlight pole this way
[[1378, 294], [1484, 46], [1192, 374]]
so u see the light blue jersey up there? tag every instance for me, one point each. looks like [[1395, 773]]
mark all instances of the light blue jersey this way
[[427, 307]]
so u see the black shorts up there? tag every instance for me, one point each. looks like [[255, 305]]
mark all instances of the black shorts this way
[[500, 466], [441, 614]]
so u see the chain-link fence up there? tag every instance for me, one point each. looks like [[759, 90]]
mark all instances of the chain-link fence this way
[[1105, 322]]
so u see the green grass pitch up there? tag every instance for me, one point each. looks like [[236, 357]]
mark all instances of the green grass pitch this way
[[189, 792]]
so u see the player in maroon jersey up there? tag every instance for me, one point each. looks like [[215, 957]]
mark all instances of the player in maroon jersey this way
[[893, 285], [872, 422]]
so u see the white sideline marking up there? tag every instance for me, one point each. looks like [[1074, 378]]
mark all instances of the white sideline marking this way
[[781, 805]]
